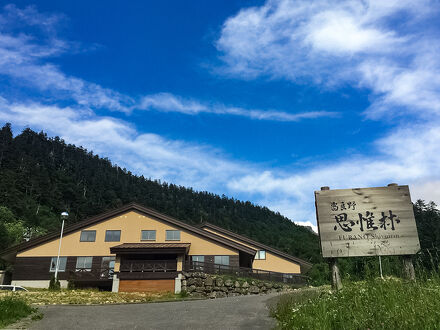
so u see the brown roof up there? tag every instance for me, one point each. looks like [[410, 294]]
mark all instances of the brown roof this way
[[129, 207], [150, 247], [304, 264]]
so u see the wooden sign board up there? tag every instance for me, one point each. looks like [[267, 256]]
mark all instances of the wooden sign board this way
[[366, 222]]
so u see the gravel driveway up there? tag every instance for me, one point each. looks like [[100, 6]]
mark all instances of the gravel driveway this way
[[244, 312]]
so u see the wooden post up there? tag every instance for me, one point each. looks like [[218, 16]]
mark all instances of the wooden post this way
[[334, 268], [336, 277], [408, 268]]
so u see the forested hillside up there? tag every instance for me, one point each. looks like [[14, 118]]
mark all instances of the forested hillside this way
[[40, 177]]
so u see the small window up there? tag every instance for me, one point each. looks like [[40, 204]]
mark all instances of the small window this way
[[112, 235], [88, 236], [221, 260], [84, 263], [148, 235], [261, 255], [61, 266], [172, 235], [198, 258]]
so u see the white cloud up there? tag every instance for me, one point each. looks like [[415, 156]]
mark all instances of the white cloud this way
[[407, 156], [144, 153], [337, 42], [167, 102], [24, 59]]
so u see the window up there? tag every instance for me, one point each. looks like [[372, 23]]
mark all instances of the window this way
[[61, 266], [198, 258], [148, 235], [88, 236], [172, 235], [221, 260], [112, 235], [84, 263], [107, 267], [261, 255]]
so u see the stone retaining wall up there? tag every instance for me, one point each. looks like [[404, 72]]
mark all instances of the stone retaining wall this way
[[198, 284]]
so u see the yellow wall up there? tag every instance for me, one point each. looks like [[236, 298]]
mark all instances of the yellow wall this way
[[130, 224], [271, 263]]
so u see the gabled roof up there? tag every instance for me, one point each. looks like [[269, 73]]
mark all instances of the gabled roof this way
[[304, 264], [123, 209]]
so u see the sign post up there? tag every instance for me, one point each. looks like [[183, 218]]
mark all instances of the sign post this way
[[367, 222]]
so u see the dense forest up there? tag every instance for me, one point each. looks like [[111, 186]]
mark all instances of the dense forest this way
[[40, 177]]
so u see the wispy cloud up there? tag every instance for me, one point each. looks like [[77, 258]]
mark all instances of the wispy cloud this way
[[25, 59], [167, 102], [337, 42]]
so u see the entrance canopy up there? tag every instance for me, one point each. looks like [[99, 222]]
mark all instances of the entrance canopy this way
[[151, 248]]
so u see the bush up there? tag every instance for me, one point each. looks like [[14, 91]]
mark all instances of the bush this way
[[70, 285], [183, 294], [12, 309], [54, 284]]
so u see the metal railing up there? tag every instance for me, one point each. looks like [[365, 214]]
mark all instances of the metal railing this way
[[91, 274], [211, 268], [149, 266]]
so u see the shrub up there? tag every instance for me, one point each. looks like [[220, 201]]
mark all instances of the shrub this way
[[54, 284], [12, 309], [70, 285], [183, 294]]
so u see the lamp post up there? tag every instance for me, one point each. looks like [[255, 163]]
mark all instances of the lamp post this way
[[64, 215]]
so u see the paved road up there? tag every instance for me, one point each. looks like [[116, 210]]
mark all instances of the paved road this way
[[245, 312]]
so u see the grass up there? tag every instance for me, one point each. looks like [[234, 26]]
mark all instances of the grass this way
[[90, 297], [13, 308], [374, 304]]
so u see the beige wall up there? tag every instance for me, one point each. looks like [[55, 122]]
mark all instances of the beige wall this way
[[130, 224], [272, 262]]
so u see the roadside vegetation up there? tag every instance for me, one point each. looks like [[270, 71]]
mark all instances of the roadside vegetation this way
[[389, 303], [89, 297], [14, 308]]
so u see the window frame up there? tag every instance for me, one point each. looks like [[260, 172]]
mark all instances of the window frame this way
[[258, 255], [84, 268], [87, 231], [112, 231], [221, 263], [198, 256], [54, 260], [170, 231], [148, 239]]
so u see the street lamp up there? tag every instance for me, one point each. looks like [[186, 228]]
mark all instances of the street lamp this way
[[64, 215]]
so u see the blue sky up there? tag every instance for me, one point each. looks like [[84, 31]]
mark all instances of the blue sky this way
[[264, 101]]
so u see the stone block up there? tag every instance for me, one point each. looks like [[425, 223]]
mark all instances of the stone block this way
[[209, 281], [191, 288], [237, 284], [190, 281], [245, 285], [219, 281], [228, 283], [254, 289]]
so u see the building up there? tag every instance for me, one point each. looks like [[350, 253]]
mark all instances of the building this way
[[134, 248]]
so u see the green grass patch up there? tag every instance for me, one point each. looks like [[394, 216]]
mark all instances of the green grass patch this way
[[12, 309], [373, 304]]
